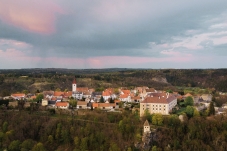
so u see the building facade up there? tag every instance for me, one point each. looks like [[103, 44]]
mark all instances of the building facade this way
[[158, 103]]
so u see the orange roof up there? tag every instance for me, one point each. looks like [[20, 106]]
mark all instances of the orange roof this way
[[18, 95], [62, 104], [103, 104], [106, 93], [95, 104], [116, 101], [53, 99], [126, 91], [124, 96], [69, 93], [33, 97], [188, 94], [58, 93]]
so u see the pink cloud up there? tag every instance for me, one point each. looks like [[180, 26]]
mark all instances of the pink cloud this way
[[35, 16]]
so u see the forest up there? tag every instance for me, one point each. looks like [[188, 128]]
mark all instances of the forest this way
[[98, 130], [33, 80]]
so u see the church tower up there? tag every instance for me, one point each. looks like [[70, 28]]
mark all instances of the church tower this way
[[74, 85]]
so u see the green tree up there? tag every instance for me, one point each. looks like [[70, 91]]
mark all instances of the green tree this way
[[154, 148], [111, 100], [189, 111], [14, 145], [189, 101], [101, 99], [211, 110], [27, 144], [39, 98], [114, 147], [84, 143], [157, 119], [196, 113], [5, 127], [38, 147], [72, 102], [25, 92]]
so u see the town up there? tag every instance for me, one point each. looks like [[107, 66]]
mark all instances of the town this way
[[141, 99]]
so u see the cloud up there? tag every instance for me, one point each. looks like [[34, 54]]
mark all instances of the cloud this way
[[35, 16], [93, 31]]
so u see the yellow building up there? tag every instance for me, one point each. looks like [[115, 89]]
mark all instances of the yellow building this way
[[158, 103]]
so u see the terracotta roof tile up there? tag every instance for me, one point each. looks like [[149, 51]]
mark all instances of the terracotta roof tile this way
[[61, 104]]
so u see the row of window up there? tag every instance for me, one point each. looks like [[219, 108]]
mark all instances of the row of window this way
[[156, 109]]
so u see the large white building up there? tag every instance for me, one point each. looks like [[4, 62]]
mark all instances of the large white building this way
[[158, 103]]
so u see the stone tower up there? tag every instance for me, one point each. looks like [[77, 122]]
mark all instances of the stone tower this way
[[146, 127]]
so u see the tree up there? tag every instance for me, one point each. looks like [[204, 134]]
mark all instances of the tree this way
[[72, 102], [114, 147], [14, 145], [189, 111], [111, 100], [5, 127], [39, 98], [189, 101], [101, 99], [154, 148], [196, 113], [38, 147], [157, 119], [211, 110], [27, 144]]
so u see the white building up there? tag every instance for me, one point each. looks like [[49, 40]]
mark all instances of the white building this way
[[158, 103]]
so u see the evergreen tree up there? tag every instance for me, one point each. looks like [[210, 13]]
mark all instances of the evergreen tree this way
[[211, 110], [101, 99]]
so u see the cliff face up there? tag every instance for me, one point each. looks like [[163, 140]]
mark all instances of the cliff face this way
[[160, 79], [147, 140]]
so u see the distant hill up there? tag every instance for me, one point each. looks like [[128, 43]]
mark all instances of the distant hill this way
[[50, 78]]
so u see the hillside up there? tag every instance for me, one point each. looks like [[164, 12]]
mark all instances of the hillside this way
[[51, 79]]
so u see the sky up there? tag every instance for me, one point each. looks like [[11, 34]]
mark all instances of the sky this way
[[81, 34]]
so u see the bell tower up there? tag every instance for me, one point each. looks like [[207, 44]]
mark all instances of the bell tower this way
[[74, 85]]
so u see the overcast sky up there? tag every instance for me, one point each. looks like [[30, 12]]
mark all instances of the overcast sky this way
[[79, 34]]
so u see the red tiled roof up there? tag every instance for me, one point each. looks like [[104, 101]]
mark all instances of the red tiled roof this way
[[124, 96], [69, 93], [18, 95], [56, 93], [61, 104], [33, 97], [159, 99], [126, 91], [106, 93]]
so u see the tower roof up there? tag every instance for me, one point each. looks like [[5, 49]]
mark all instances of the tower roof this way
[[74, 81], [146, 123]]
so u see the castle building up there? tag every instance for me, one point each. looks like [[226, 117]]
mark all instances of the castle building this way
[[158, 103]]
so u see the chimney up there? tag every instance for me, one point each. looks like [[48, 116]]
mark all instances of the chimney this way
[[167, 94]]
